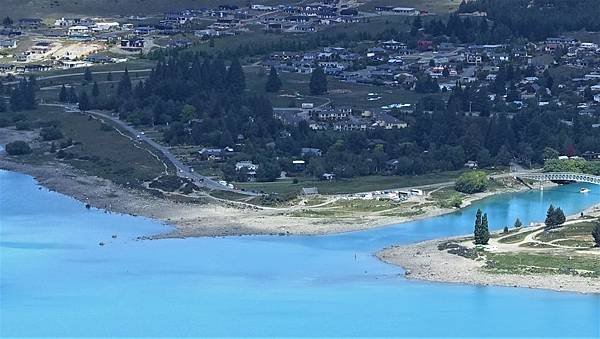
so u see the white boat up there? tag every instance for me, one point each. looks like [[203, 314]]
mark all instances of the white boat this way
[[584, 190]]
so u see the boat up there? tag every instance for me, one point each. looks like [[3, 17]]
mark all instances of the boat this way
[[584, 190]]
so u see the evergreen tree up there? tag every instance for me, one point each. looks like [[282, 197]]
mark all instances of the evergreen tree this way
[[124, 88], [72, 97], [505, 229], [273, 84], [559, 216], [22, 97], [87, 74], [235, 77], [596, 234], [7, 21], [518, 223], [550, 221], [318, 82], [95, 90], [482, 232], [63, 96], [84, 101]]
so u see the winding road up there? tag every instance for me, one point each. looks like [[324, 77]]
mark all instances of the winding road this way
[[183, 171]]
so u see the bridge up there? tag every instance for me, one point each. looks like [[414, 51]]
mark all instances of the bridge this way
[[559, 176]]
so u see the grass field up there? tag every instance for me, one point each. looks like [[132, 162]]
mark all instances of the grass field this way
[[355, 185], [435, 6], [524, 263], [97, 149], [295, 90], [58, 8]]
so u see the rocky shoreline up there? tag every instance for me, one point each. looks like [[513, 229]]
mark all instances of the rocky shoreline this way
[[424, 261]]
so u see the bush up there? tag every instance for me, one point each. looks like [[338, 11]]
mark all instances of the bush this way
[[23, 125], [18, 148], [472, 182], [4, 122], [51, 133]]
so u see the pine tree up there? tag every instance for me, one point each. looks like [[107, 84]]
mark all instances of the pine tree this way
[[7, 21], [485, 230], [505, 229], [550, 221], [477, 232], [87, 74], [84, 101], [236, 80], [72, 97], [95, 90], [273, 84], [559, 216], [63, 96], [124, 88], [318, 82], [518, 223]]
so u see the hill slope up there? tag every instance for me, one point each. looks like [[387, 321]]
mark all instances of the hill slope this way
[[58, 8]]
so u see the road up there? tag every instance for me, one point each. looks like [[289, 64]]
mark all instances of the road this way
[[183, 171], [58, 76]]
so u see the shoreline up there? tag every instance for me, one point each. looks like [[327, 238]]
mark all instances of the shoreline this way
[[209, 218], [426, 262]]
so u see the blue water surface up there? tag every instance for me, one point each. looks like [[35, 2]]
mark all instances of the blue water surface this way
[[56, 281]]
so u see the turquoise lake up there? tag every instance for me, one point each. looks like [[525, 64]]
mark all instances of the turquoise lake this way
[[56, 281]]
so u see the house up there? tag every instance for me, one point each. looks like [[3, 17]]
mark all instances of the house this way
[[99, 59], [471, 164], [405, 11], [311, 152], [30, 22], [416, 192], [211, 153], [424, 45], [5, 68], [78, 30], [5, 44], [246, 164], [310, 191], [328, 176], [132, 44], [106, 26]]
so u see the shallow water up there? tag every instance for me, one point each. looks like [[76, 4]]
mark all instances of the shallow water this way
[[55, 280]]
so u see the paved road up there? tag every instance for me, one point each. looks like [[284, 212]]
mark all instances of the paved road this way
[[58, 76], [182, 170]]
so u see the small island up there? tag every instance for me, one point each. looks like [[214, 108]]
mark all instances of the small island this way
[[560, 254]]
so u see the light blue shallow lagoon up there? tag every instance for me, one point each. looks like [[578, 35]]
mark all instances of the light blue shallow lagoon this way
[[56, 281]]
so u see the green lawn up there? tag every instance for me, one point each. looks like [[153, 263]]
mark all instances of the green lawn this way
[[515, 238], [574, 230], [295, 90], [435, 6], [523, 263], [355, 185]]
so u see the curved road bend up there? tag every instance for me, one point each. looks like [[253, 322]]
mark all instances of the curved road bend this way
[[182, 170]]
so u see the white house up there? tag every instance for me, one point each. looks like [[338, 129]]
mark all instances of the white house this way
[[77, 30], [106, 26]]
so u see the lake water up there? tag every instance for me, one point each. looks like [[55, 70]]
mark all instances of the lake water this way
[[56, 281]]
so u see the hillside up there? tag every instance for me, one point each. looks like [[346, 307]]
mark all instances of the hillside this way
[[57, 8]]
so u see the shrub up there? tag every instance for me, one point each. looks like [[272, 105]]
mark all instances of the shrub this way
[[51, 133], [23, 125], [596, 234], [18, 148], [4, 122], [472, 182]]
